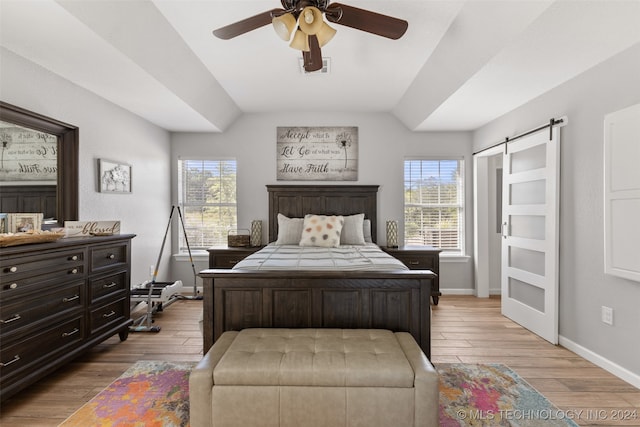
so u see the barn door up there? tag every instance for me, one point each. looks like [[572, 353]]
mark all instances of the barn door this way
[[531, 174]]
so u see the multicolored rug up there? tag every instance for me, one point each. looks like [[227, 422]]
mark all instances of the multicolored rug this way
[[149, 394], [156, 394], [493, 395]]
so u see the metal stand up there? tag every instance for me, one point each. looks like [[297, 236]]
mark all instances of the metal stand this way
[[144, 323], [193, 267]]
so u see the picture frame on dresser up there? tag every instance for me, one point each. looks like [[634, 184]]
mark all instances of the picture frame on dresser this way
[[24, 222], [4, 223]]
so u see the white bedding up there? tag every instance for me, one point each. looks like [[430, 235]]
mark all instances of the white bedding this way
[[345, 257]]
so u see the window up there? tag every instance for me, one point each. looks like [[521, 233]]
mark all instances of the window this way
[[434, 204], [207, 198]]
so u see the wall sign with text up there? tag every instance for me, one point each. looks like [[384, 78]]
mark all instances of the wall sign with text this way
[[317, 153], [27, 155]]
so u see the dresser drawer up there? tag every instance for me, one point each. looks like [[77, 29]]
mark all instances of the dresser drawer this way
[[19, 274], [40, 308], [110, 314], [103, 257], [24, 354], [226, 257], [227, 260], [20, 287], [105, 286], [417, 261]]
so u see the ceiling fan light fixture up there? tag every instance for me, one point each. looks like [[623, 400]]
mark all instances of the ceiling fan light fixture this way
[[284, 25], [325, 34], [300, 41], [310, 20]]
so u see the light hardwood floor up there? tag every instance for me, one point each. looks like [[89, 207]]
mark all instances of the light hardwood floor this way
[[465, 329]]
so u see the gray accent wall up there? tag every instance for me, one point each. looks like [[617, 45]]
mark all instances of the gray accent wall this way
[[584, 288], [110, 132], [384, 143]]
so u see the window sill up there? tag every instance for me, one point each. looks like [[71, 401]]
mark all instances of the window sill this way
[[454, 258], [200, 255]]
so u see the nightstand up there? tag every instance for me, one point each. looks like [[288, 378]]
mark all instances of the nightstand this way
[[420, 258], [227, 257]]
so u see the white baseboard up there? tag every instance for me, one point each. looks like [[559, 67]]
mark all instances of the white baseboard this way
[[617, 370], [460, 291], [466, 291]]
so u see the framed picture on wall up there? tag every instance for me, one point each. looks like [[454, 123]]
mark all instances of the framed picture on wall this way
[[114, 177]]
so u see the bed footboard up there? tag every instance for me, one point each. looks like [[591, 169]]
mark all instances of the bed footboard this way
[[395, 300]]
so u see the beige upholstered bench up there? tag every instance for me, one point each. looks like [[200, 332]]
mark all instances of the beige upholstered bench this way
[[314, 377]]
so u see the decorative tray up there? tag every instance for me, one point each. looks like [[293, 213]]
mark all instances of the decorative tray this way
[[15, 239]]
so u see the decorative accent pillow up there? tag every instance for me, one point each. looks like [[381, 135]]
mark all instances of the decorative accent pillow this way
[[322, 230], [289, 230], [353, 230]]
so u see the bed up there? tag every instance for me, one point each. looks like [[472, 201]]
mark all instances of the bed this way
[[394, 299]]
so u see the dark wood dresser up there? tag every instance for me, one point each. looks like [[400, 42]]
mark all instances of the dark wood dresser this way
[[420, 258], [57, 300]]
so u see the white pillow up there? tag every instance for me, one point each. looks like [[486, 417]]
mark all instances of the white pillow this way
[[322, 230], [353, 230], [367, 231], [289, 230]]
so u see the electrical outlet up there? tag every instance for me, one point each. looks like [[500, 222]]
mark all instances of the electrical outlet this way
[[607, 315]]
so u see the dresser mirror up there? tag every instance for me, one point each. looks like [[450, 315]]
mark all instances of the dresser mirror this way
[[38, 165]]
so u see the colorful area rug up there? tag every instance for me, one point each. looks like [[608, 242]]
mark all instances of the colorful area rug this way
[[493, 395], [156, 394], [149, 394]]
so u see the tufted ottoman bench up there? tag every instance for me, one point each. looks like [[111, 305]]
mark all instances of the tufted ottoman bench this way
[[314, 377]]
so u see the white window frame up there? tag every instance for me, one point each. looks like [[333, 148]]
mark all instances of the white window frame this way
[[460, 205], [186, 206]]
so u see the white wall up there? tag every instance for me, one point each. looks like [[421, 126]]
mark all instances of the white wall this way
[[383, 145], [106, 131], [584, 287]]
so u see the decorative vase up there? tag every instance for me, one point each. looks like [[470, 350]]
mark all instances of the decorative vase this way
[[256, 232], [392, 234]]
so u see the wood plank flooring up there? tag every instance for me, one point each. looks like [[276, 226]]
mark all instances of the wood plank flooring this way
[[465, 329]]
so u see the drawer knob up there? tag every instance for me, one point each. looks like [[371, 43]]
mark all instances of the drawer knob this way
[[74, 258], [74, 271], [14, 360], [13, 319], [68, 334], [13, 269], [111, 256], [13, 286], [107, 315], [69, 299], [109, 285]]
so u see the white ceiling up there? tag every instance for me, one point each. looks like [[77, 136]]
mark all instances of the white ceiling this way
[[460, 65]]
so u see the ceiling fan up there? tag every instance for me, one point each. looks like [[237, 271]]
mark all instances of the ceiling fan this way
[[301, 22]]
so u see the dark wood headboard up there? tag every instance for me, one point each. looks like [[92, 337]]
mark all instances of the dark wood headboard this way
[[29, 198], [295, 201]]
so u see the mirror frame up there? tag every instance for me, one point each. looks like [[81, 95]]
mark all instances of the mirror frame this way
[[68, 147]]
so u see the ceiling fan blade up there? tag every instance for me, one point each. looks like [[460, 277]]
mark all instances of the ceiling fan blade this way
[[365, 20], [312, 58], [237, 28]]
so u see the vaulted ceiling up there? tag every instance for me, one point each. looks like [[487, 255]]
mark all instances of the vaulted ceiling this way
[[460, 64]]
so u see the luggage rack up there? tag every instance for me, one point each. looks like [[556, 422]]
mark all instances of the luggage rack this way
[[159, 295]]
